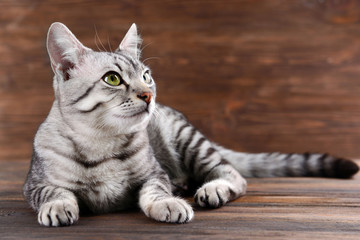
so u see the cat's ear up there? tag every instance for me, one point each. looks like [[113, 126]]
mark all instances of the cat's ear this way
[[64, 49], [131, 42]]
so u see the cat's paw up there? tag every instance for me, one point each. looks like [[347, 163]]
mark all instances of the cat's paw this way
[[171, 210], [58, 213], [217, 193]]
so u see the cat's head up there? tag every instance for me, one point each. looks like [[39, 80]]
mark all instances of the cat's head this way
[[111, 91]]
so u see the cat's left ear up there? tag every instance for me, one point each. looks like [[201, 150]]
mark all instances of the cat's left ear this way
[[64, 49], [131, 42]]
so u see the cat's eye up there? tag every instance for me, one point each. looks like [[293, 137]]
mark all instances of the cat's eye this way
[[112, 78], [147, 78]]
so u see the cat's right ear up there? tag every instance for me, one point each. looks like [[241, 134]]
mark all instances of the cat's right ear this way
[[64, 49]]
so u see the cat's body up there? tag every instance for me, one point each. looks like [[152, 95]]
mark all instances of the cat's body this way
[[107, 144]]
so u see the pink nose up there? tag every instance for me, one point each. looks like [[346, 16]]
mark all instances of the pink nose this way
[[146, 96]]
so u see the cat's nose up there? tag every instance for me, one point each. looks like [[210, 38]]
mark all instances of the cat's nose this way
[[146, 96]]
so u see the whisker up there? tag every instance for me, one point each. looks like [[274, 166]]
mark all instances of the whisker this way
[[112, 107], [98, 38], [150, 58], [145, 46], [158, 114], [95, 40], [109, 44]]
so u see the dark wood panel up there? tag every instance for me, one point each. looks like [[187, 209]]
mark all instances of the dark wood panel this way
[[258, 75]]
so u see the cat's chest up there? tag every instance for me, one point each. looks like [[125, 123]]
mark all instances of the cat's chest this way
[[106, 187]]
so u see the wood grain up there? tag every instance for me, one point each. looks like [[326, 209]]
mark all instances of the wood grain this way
[[277, 208], [257, 76]]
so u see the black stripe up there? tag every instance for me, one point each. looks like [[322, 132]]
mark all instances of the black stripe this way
[[321, 165], [64, 155], [84, 95], [133, 64], [187, 143], [91, 164], [120, 68], [224, 161], [57, 194], [129, 60], [48, 194], [343, 168], [176, 118], [306, 168], [110, 90], [335, 166], [195, 153], [209, 152], [206, 174], [164, 179], [193, 157], [199, 143], [130, 139], [38, 192], [160, 188], [181, 129], [129, 153], [202, 165], [78, 156]]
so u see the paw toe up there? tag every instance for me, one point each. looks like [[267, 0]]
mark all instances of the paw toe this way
[[172, 210], [214, 194], [58, 213]]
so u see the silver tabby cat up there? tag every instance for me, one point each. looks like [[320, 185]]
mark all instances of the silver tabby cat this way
[[107, 145]]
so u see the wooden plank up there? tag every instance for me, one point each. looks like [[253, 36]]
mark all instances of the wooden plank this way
[[277, 208]]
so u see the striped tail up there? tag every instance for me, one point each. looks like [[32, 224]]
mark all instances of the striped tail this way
[[289, 165]]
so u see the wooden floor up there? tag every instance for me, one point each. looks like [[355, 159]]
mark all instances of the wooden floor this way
[[256, 76], [277, 208]]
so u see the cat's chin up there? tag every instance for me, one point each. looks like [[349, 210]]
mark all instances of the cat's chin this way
[[125, 124]]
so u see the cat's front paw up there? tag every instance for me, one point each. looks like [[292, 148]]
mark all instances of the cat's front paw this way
[[171, 210], [217, 193], [58, 213]]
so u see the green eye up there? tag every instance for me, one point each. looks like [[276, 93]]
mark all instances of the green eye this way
[[112, 79], [147, 78]]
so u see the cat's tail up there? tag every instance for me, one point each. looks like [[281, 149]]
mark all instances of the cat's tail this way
[[289, 165]]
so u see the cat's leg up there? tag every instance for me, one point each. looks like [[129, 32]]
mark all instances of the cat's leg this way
[[157, 202], [199, 157], [221, 182], [56, 206]]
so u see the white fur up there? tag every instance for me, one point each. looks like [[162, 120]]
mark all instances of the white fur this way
[[131, 42]]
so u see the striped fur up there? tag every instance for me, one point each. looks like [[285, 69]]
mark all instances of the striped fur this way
[[109, 146]]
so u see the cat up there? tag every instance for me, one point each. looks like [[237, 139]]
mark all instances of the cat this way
[[107, 145]]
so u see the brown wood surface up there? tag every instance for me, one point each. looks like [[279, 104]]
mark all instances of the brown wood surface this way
[[277, 208], [253, 75]]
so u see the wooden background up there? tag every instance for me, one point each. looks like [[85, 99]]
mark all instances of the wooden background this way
[[253, 75]]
